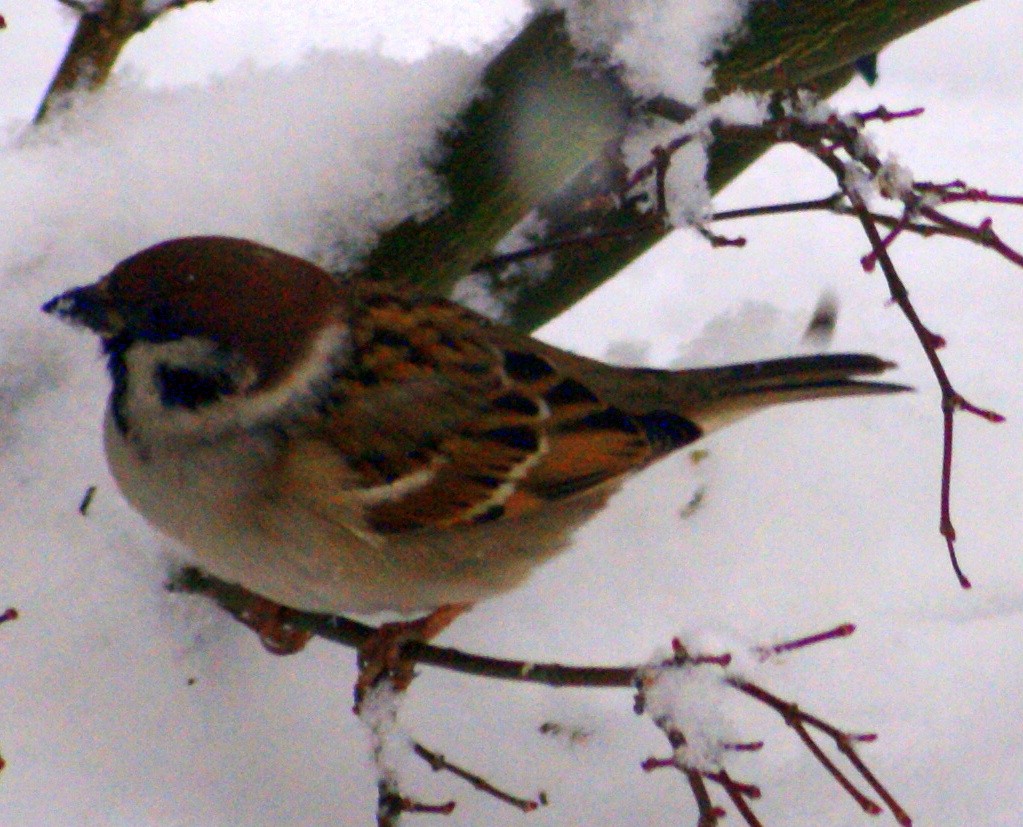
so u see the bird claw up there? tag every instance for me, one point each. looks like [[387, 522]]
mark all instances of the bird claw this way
[[381, 656]]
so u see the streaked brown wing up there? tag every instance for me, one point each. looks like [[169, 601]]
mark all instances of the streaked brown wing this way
[[448, 419]]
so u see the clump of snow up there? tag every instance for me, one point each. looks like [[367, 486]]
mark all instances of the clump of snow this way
[[294, 157], [894, 180], [688, 699], [390, 744], [688, 198], [664, 48], [748, 108], [475, 291]]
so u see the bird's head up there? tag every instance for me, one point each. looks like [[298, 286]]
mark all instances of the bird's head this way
[[207, 333]]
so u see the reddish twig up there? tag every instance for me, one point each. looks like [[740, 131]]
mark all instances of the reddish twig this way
[[741, 794], [709, 814], [439, 763], [738, 795], [800, 721], [391, 804], [982, 233], [951, 399], [825, 140], [840, 631], [884, 115], [719, 240]]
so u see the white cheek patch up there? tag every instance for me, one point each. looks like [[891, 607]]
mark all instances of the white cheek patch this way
[[144, 405], [329, 352], [145, 410]]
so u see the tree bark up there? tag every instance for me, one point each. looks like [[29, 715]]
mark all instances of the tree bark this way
[[798, 42], [546, 119]]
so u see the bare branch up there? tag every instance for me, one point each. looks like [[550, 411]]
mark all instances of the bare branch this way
[[103, 30], [825, 140], [439, 763], [801, 722]]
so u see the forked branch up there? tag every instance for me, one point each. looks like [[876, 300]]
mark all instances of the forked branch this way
[[353, 634]]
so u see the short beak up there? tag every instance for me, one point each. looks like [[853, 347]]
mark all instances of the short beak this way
[[89, 306]]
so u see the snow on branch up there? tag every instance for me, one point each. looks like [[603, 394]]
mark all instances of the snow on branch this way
[[668, 690]]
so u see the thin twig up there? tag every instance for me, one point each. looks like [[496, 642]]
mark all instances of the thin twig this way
[[439, 763], [741, 794], [709, 814], [646, 223], [352, 633], [824, 140]]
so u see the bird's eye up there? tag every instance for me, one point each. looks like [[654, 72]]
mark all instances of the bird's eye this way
[[183, 388]]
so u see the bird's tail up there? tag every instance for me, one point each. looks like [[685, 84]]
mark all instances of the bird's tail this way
[[716, 396]]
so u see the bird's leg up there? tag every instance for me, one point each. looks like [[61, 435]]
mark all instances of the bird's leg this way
[[380, 657]]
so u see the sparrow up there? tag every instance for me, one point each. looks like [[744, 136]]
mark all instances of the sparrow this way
[[351, 446]]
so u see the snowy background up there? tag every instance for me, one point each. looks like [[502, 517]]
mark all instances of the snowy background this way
[[121, 705]]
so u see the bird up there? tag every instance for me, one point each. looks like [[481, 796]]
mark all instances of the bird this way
[[348, 445]]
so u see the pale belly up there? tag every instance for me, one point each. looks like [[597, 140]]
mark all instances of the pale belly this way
[[238, 517]]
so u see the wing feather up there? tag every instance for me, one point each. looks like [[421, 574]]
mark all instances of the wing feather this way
[[444, 424]]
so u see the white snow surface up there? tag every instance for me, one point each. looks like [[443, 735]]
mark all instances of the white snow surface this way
[[123, 705], [652, 39]]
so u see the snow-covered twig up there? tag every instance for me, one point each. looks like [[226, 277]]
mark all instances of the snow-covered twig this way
[[704, 768], [352, 633]]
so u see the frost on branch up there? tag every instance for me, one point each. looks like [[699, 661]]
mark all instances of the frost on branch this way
[[682, 694], [662, 48]]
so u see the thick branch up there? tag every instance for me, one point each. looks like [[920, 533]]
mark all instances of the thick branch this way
[[103, 30], [541, 119], [808, 42], [545, 119], [796, 42]]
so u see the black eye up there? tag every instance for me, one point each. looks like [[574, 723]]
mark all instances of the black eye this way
[[183, 388]]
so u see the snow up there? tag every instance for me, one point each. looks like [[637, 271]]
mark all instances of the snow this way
[[263, 153], [651, 39], [123, 705]]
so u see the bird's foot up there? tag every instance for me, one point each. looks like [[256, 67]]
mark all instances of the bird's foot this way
[[381, 658]]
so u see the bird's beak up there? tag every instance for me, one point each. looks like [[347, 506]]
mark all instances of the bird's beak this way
[[90, 306]]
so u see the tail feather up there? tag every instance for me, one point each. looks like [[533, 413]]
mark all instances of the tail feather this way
[[716, 396]]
